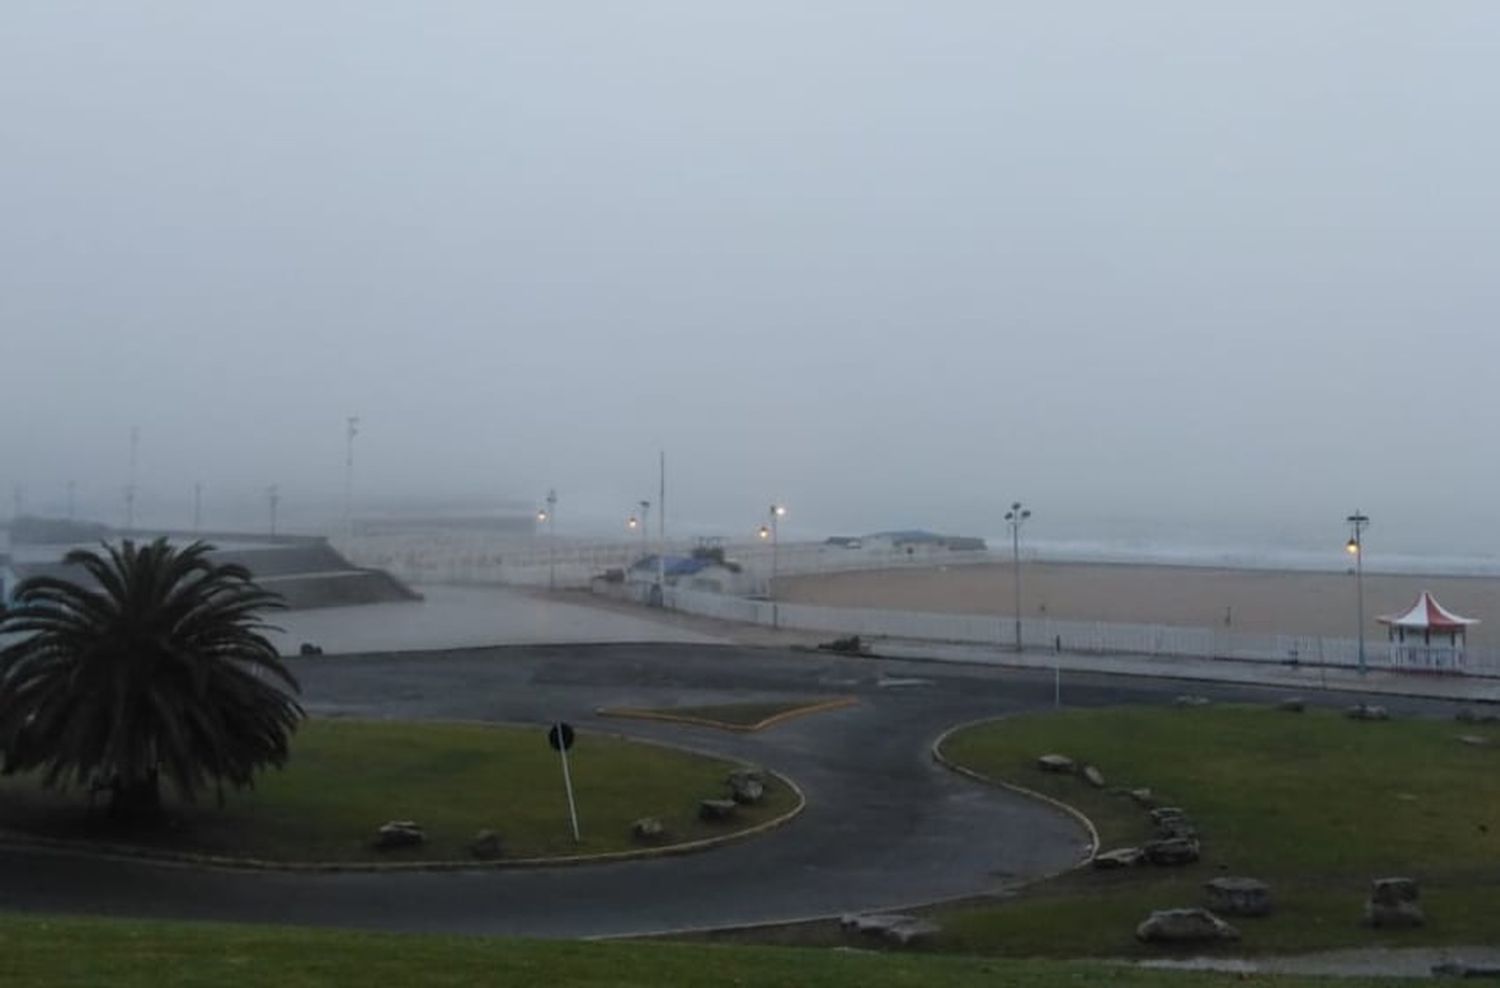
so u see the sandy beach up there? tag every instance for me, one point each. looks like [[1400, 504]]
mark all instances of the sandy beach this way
[[1269, 601]]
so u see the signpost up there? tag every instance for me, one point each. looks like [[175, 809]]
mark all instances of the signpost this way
[[560, 737]]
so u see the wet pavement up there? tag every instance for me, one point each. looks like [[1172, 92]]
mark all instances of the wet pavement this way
[[466, 617]]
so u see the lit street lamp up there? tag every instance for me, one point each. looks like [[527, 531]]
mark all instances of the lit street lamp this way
[[1356, 548], [1016, 517], [548, 516], [772, 533], [642, 522]]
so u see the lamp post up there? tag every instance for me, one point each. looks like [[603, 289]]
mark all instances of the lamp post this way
[[1358, 522], [771, 532], [273, 497], [549, 517], [642, 522], [1016, 517], [351, 430]]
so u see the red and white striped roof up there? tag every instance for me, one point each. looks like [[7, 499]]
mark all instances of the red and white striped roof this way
[[1428, 614]]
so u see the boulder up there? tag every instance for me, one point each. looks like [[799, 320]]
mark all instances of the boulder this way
[[1172, 851], [895, 928], [1367, 711], [487, 845], [1055, 763], [1177, 826], [743, 775], [1185, 926], [648, 830], [1093, 776], [1120, 857], [1473, 739], [1143, 797], [1393, 904], [746, 792], [1239, 897], [715, 810], [1292, 705], [399, 833], [1192, 700], [1162, 814]]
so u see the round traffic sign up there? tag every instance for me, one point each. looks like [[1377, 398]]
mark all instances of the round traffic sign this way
[[560, 737]]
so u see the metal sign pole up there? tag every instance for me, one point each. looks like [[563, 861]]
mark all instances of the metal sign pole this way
[[572, 807]]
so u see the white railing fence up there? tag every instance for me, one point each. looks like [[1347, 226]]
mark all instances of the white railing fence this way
[[1045, 634]]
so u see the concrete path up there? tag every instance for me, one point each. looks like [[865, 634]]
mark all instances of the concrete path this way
[[1300, 678]]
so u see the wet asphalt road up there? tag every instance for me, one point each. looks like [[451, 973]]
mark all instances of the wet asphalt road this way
[[884, 825]]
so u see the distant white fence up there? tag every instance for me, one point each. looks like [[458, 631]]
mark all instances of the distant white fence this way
[[481, 558], [1102, 637]]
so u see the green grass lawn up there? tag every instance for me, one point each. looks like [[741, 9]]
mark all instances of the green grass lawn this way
[[1314, 803], [85, 953], [346, 778], [731, 716]]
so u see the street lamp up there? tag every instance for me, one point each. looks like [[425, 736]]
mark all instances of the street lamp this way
[[771, 532], [641, 522], [548, 516], [1016, 517], [1358, 522]]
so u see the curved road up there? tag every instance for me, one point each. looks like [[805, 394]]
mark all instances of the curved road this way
[[884, 826]]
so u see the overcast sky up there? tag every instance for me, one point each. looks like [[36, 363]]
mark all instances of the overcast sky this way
[[1231, 266]]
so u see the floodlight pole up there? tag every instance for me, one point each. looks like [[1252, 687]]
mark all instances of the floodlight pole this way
[[273, 497]]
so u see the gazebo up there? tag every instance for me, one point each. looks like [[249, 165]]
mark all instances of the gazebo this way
[[1428, 636]]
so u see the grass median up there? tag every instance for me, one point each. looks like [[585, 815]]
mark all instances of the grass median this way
[[347, 777], [1313, 803]]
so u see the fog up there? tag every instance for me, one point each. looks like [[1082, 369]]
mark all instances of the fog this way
[[1167, 270]]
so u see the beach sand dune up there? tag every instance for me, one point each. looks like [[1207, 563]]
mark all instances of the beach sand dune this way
[[1260, 601]]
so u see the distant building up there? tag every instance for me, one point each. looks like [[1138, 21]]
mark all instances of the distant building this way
[[705, 573]]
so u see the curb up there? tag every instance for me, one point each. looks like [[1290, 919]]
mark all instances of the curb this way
[[188, 859], [1068, 808], [666, 717]]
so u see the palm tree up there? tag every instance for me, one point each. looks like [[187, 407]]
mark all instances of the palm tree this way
[[159, 669]]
